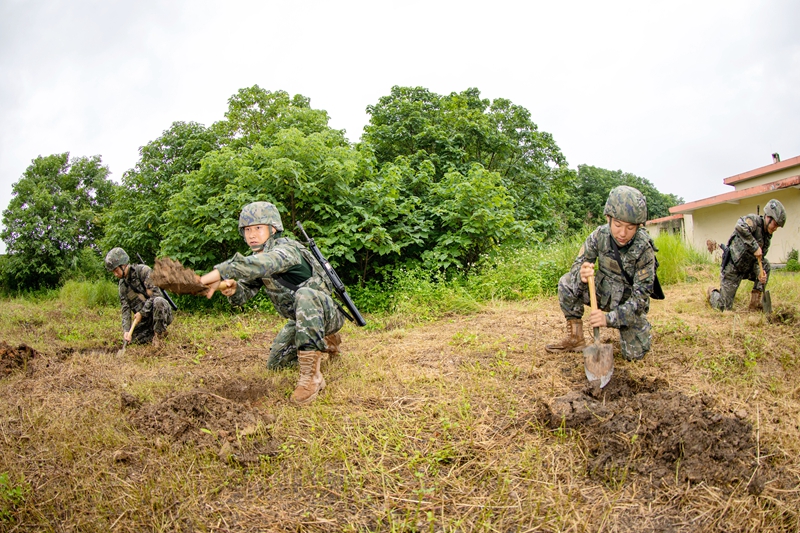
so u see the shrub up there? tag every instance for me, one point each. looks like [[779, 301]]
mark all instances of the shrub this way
[[792, 264]]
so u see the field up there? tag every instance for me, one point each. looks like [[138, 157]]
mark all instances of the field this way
[[462, 423]]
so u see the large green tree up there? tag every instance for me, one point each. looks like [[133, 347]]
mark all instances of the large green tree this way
[[593, 185], [136, 219], [458, 131], [55, 213]]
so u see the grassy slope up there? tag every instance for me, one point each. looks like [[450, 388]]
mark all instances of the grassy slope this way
[[423, 427]]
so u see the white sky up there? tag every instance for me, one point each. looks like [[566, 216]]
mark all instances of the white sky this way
[[683, 93]]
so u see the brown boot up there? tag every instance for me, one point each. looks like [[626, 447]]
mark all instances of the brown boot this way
[[333, 341], [573, 342], [311, 380], [755, 301]]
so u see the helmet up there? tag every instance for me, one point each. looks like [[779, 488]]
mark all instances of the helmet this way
[[116, 257], [626, 204], [775, 210], [260, 213]]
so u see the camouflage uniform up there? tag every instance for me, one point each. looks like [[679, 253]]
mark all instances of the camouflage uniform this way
[[137, 294], [740, 261], [626, 306], [311, 311]]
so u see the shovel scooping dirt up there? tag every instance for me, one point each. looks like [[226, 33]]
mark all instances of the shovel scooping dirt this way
[[598, 359]]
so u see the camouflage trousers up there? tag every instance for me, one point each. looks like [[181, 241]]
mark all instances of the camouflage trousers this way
[[573, 297], [155, 322], [729, 280], [316, 316]]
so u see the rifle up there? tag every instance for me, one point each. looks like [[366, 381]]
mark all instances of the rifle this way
[[166, 295], [338, 286]]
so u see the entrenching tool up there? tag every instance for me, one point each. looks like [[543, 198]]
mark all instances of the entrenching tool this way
[[766, 300], [136, 319], [598, 359]]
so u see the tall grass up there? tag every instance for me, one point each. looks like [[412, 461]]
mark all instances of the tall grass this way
[[89, 293], [675, 257]]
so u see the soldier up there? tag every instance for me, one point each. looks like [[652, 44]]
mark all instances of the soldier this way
[[298, 288], [749, 242], [624, 280], [138, 295]]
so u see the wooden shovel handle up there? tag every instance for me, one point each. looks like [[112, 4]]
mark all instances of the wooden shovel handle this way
[[760, 268], [592, 294], [136, 318]]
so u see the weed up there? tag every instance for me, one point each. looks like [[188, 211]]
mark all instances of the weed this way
[[11, 497]]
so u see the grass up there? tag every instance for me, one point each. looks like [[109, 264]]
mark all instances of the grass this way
[[426, 425]]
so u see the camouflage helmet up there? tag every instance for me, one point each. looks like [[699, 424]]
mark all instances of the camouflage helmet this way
[[260, 213], [116, 257], [775, 210], [626, 204]]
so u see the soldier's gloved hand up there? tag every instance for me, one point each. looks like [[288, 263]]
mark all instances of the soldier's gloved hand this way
[[758, 253], [597, 319], [587, 269]]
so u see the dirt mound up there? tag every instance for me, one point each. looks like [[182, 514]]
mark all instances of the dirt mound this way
[[208, 420], [174, 277], [14, 358], [243, 391], [665, 436]]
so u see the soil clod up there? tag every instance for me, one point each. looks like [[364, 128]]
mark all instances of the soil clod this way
[[12, 358]]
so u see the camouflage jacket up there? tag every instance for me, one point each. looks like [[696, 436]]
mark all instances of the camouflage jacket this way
[[280, 255], [136, 294], [614, 294], [748, 234]]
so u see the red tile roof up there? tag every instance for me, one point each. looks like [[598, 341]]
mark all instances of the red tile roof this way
[[665, 219], [735, 196], [769, 169]]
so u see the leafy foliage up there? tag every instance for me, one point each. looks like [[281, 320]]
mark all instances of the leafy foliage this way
[[136, 220], [56, 212], [593, 185]]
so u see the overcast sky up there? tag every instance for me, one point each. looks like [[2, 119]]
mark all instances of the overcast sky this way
[[683, 93]]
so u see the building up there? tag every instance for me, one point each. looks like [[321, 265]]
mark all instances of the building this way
[[708, 222]]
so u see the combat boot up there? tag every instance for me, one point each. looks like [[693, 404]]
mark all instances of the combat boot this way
[[573, 342], [311, 380], [755, 301]]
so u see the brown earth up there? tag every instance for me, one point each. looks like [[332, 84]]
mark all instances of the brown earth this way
[[172, 276], [12, 358]]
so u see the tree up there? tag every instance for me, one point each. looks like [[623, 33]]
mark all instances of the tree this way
[[56, 211], [592, 188], [136, 219]]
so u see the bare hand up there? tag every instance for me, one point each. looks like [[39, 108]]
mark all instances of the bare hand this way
[[228, 287], [597, 319], [587, 269], [762, 277], [210, 280], [127, 336], [758, 253]]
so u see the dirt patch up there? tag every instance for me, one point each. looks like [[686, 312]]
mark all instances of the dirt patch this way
[[236, 431], [783, 314], [12, 358], [239, 390], [638, 428]]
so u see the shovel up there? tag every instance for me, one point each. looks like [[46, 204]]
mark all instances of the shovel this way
[[766, 300], [136, 318], [598, 359]]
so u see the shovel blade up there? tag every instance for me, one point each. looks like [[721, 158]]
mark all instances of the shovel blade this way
[[598, 361], [766, 302]]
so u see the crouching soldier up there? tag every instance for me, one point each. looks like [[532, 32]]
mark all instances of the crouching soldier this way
[[624, 280], [749, 242], [298, 288], [140, 298]]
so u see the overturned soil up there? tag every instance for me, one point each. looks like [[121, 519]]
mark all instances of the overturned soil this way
[[236, 431], [638, 428], [12, 358]]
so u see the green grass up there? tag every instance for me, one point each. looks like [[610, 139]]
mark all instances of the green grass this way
[[91, 294], [675, 257]]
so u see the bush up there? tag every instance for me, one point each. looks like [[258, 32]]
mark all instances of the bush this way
[[792, 264]]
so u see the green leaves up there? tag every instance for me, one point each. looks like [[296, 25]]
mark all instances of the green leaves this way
[[55, 213]]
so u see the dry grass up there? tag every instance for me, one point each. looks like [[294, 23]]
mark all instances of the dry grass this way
[[423, 427]]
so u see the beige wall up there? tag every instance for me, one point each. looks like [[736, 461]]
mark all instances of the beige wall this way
[[716, 222], [769, 178]]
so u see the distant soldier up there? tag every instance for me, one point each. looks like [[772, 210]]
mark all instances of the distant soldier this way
[[749, 242], [140, 298], [624, 280], [298, 288]]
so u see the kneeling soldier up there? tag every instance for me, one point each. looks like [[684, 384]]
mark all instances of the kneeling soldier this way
[[139, 296]]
